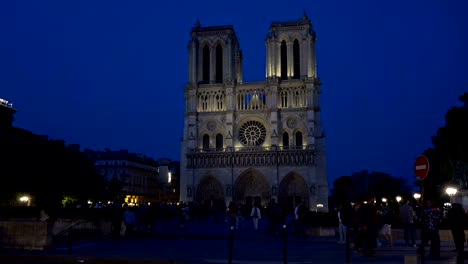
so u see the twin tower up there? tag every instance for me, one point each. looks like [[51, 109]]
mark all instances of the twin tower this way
[[253, 142]]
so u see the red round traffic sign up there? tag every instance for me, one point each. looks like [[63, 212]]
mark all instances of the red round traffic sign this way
[[421, 167]]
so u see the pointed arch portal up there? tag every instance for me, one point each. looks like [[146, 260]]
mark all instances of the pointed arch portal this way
[[252, 186], [209, 189], [293, 189]]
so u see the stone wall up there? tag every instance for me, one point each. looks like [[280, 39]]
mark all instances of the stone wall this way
[[25, 234], [38, 235]]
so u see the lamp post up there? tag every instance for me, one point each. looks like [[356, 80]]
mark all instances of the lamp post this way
[[398, 198], [25, 200], [451, 191]]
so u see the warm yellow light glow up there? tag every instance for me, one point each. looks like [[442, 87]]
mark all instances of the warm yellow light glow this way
[[319, 205], [451, 191], [89, 202], [398, 198], [24, 199], [384, 200], [417, 196], [169, 177]]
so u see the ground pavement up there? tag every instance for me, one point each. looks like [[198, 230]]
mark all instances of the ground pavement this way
[[208, 242]]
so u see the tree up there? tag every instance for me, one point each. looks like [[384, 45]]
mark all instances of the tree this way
[[363, 184], [448, 158]]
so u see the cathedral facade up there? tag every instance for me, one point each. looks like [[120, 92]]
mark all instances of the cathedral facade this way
[[255, 141]]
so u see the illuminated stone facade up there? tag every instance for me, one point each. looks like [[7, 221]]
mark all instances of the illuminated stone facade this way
[[253, 141]]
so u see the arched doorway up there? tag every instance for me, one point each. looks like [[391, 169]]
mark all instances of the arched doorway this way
[[252, 187], [209, 189], [293, 189]]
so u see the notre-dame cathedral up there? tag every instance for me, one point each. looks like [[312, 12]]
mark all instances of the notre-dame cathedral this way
[[255, 141]]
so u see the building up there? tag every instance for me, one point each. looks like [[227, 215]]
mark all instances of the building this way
[[255, 141], [6, 114], [137, 174]]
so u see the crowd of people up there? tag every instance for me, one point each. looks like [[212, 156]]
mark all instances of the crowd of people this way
[[367, 226], [130, 220]]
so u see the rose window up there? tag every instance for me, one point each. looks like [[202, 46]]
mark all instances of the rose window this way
[[252, 133]]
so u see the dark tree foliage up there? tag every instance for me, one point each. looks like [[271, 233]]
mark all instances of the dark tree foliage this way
[[448, 158], [363, 184], [44, 168], [452, 138]]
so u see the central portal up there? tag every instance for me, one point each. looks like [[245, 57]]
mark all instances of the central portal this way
[[250, 187]]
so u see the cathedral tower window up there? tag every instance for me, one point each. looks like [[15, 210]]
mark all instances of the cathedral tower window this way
[[219, 142], [206, 64], [296, 60], [284, 99], [219, 63], [285, 140], [206, 142], [298, 140], [284, 61]]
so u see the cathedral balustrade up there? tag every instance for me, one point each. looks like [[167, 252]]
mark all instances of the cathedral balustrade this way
[[248, 157]]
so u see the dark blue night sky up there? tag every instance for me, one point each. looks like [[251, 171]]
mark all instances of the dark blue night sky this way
[[112, 73]]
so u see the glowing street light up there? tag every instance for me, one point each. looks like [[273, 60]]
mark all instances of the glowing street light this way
[[398, 198], [451, 192], [417, 196], [25, 200], [384, 200]]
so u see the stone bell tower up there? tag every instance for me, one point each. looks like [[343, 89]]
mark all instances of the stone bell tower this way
[[256, 141]]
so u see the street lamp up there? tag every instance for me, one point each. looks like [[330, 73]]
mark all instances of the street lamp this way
[[451, 191], [25, 200], [417, 196], [398, 199], [384, 200]]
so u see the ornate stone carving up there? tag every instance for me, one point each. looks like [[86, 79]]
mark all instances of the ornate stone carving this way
[[211, 125], [291, 123]]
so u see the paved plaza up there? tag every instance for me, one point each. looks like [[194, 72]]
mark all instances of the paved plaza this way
[[205, 242]]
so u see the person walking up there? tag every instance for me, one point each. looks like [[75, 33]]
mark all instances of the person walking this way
[[344, 215], [430, 230], [256, 215], [408, 216], [386, 229], [456, 218]]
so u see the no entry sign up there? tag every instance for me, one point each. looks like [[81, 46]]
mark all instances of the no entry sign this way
[[421, 167]]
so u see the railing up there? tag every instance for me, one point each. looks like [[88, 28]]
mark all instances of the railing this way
[[68, 232], [246, 157]]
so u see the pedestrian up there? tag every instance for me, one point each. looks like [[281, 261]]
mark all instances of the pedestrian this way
[[256, 215], [456, 218], [408, 217], [386, 229], [344, 216], [129, 220], [430, 229], [367, 221], [273, 215], [232, 212]]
